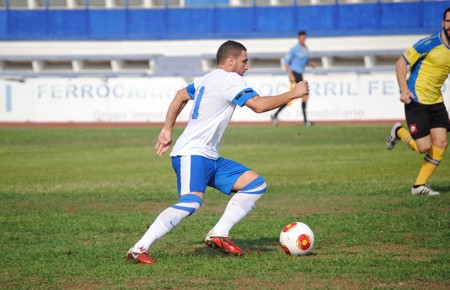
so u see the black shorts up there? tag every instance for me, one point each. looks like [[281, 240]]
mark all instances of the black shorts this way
[[298, 77], [421, 118]]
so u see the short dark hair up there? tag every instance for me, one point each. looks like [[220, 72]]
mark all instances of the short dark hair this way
[[301, 32], [445, 13], [229, 47]]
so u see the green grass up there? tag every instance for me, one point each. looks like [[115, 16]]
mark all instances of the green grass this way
[[73, 200]]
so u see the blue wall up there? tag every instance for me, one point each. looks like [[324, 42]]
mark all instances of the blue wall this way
[[222, 22]]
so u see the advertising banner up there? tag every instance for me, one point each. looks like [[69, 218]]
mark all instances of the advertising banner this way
[[338, 97]]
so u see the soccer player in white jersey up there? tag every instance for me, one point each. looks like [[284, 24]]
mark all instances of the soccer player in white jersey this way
[[195, 156]]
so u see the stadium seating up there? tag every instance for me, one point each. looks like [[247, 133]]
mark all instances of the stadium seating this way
[[157, 38], [193, 58]]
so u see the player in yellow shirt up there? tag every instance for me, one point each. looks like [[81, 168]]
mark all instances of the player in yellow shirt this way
[[425, 112]]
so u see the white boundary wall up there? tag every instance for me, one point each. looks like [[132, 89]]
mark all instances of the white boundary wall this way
[[198, 47], [339, 97]]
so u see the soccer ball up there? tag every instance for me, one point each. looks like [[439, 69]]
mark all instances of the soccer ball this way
[[297, 239]]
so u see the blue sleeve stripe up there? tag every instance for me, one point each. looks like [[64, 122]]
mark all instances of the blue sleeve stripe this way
[[413, 79], [425, 45], [244, 96], [191, 90], [403, 55]]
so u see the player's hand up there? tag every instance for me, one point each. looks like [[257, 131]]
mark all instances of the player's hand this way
[[301, 89], [164, 141], [406, 97]]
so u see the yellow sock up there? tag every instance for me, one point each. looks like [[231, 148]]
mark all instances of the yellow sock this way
[[429, 164], [405, 136], [291, 88]]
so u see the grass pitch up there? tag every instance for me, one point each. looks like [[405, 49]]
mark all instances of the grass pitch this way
[[73, 200]]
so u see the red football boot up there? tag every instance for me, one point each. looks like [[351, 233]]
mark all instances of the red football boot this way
[[223, 244], [139, 257]]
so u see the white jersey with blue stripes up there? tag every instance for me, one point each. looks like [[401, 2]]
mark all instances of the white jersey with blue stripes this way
[[215, 97]]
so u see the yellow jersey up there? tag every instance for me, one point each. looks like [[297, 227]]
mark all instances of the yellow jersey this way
[[429, 67]]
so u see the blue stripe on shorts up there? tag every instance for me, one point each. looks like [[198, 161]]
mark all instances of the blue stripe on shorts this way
[[195, 173]]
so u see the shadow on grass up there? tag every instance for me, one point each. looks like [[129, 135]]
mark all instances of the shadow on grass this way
[[254, 246], [442, 189]]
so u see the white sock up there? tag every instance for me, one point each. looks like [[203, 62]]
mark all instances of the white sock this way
[[164, 223], [238, 207]]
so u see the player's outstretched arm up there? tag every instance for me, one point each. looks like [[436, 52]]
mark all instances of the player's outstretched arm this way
[[261, 104], [176, 106]]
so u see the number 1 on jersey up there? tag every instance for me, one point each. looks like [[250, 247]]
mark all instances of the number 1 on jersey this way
[[198, 99]]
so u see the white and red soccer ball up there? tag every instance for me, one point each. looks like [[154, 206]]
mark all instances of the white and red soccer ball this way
[[297, 239]]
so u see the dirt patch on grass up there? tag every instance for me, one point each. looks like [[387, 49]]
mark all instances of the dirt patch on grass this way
[[402, 251], [300, 281], [100, 206], [412, 284], [395, 249]]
